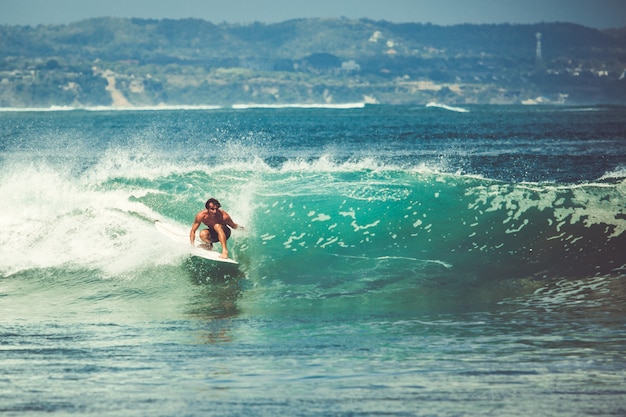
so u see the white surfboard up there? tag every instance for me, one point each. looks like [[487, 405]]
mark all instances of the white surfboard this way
[[182, 237]]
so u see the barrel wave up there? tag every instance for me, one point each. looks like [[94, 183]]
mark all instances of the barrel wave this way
[[326, 229]]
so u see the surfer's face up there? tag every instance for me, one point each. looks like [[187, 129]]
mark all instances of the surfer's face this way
[[212, 208]]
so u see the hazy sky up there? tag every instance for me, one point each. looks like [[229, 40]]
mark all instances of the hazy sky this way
[[600, 14]]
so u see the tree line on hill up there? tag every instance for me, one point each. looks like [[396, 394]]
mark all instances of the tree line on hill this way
[[126, 62]]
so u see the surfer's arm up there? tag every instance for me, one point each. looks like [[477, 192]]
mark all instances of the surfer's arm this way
[[194, 229], [229, 221]]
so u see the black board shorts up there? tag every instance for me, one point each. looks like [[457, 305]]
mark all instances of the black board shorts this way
[[214, 236]]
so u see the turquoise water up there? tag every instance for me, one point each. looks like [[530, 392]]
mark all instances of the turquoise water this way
[[397, 260]]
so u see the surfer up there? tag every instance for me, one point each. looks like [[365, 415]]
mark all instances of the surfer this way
[[218, 224]]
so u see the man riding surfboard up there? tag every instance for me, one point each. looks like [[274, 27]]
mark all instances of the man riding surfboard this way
[[218, 223]]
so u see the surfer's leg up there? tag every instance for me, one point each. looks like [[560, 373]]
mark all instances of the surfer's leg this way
[[205, 236], [221, 235]]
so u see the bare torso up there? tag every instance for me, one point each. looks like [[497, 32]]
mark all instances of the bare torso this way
[[210, 219]]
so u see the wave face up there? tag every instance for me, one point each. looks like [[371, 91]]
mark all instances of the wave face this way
[[376, 203]]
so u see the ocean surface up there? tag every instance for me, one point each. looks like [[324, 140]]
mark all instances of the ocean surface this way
[[397, 261]]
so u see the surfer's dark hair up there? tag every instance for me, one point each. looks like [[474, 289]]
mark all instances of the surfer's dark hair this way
[[214, 201]]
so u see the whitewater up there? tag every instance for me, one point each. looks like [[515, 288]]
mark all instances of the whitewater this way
[[400, 260]]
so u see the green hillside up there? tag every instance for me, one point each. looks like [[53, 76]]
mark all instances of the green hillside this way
[[125, 62]]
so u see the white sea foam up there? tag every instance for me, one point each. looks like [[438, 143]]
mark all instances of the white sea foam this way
[[37, 109], [357, 105], [616, 174], [50, 219], [571, 204], [160, 107], [111, 108], [446, 107], [155, 108]]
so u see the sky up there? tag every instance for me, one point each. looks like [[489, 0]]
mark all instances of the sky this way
[[600, 14]]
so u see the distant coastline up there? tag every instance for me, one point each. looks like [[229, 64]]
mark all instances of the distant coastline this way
[[143, 63]]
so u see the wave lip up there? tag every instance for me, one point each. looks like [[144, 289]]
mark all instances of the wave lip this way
[[617, 174], [446, 107]]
